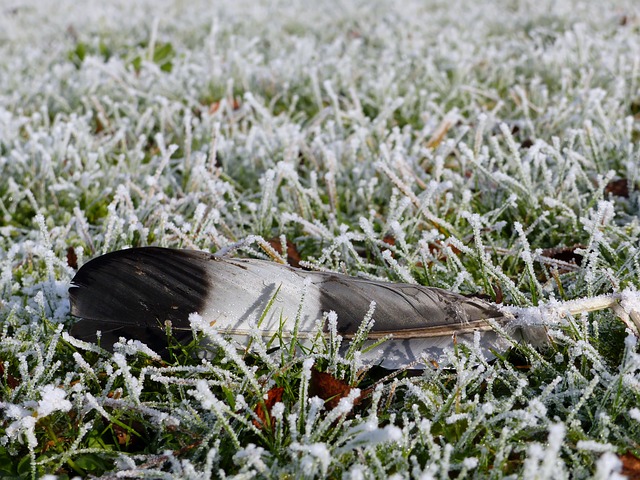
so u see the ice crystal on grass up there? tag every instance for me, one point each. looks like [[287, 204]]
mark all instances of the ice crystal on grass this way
[[25, 416], [608, 467]]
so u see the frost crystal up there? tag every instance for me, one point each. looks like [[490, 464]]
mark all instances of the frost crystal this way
[[52, 400]]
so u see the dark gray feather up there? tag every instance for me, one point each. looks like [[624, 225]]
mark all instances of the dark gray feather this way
[[402, 309], [132, 293]]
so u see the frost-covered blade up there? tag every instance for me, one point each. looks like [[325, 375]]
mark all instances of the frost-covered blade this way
[[132, 293]]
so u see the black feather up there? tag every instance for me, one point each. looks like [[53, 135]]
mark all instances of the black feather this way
[[402, 309], [132, 293]]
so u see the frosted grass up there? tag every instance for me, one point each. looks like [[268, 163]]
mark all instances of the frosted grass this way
[[450, 144]]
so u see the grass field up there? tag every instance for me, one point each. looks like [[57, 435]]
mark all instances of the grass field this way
[[486, 147]]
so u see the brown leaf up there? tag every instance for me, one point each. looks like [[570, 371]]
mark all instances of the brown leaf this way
[[485, 296], [263, 409], [329, 388], [390, 240], [293, 256], [565, 254], [122, 435], [126, 437], [187, 448], [437, 250], [12, 382], [618, 188], [215, 106], [72, 258], [498, 291], [630, 466], [99, 126], [116, 394]]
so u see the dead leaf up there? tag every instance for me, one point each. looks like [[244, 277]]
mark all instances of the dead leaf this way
[[437, 249], [187, 448], [618, 188], [122, 435], [565, 254], [263, 409], [630, 466], [215, 106], [72, 258], [498, 291], [12, 382], [128, 438], [329, 388], [389, 240], [484, 296], [293, 256]]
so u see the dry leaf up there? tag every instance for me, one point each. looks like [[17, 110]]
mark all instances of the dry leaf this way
[[618, 188], [263, 409], [329, 388], [293, 256], [126, 438], [122, 435], [72, 258], [437, 250], [389, 240], [630, 466], [215, 106], [12, 382], [565, 254]]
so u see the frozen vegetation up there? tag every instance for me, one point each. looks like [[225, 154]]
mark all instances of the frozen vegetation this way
[[484, 147]]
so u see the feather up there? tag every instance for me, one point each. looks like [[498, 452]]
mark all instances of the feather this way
[[132, 293]]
